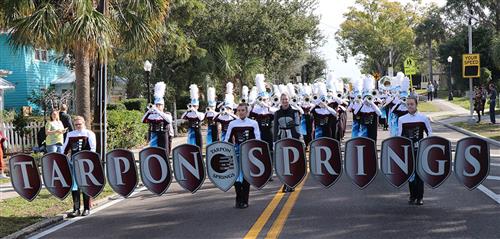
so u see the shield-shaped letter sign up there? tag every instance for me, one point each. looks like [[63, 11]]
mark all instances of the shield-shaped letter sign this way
[[434, 160], [397, 160], [189, 168], [256, 162], [472, 161], [57, 174], [325, 161], [222, 166], [361, 161], [290, 161], [121, 171], [155, 169], [89, 173], [24, 176]]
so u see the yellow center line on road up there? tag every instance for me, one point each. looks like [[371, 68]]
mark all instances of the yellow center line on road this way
[[279, 223], [264, 217]]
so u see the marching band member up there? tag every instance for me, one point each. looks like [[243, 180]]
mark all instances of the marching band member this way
[[322, 113], [355, 105], [226, 115], [76, 141], [306, 122], [412, 126], [262, 113], [331, 102], [341, 109], [210, 114], [286, 125], [159, 122], [194, 118], [239, 131], [368, 111], [399, 109]]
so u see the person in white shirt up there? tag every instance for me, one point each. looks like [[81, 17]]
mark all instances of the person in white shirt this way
[[239, 131], [76, 141], [413, 126]]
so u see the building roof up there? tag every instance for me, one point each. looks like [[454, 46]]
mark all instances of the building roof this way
[[4, 84], [66, 78]]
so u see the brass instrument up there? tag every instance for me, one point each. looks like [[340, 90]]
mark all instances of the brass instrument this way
[[307, 99], [276, 99], [295, 100], [243, 100], [404, 99], [315, 97]]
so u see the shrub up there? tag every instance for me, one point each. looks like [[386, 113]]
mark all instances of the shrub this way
[[125, 129], [135, 104], [116, 106]]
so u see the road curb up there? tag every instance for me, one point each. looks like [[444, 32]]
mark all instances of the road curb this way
[[464, 131], [46, 223]]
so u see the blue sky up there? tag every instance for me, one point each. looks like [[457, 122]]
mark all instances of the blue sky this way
[[331, 12]]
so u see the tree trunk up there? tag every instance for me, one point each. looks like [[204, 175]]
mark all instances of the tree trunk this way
[[429, 45], [82, 83]]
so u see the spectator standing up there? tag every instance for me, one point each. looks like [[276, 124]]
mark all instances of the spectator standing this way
[[66, 120], [493, 101], [54, 130]]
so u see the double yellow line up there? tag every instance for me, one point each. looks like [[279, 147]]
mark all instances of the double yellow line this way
[[279, 223]]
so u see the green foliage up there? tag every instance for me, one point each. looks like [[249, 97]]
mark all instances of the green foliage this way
[[138, 104], [116, 106], [125, 129], [314, 68], [375, 27]]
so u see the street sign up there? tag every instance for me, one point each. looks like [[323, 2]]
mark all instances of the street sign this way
[[410, 66], [471, 65]]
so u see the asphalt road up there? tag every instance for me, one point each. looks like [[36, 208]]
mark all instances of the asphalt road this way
[[342, 211]]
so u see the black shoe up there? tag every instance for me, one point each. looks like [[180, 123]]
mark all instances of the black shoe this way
[[244, 205], [73, 214], [284, 189], [86, 212], [420, 202], [237, 205], [289, 189], [412, 201]]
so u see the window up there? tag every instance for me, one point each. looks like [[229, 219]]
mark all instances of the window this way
[[41, 55]]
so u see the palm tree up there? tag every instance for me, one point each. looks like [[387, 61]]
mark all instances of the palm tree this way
[[78, 28], [429, 30]]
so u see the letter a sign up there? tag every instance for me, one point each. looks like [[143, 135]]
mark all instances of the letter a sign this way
[[189, 169]]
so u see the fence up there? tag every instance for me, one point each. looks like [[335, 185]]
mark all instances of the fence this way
[[14, 140]]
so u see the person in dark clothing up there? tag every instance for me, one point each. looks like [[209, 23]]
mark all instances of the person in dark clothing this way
[[66, 120], [286, 125], [477, 104], [493, 101]]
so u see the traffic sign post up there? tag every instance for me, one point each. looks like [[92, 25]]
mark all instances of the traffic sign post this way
[[410, 69]]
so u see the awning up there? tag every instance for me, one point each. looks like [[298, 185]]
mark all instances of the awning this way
[[66, 78], [4, 84]]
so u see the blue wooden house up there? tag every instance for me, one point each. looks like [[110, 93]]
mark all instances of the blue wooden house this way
[[32, 69]]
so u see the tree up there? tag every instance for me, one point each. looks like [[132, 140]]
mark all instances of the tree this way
[[430, 30], [373, 29], [86, 30]]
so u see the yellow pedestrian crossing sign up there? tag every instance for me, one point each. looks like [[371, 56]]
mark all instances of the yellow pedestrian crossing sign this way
[[410, 66]]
